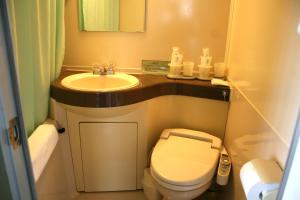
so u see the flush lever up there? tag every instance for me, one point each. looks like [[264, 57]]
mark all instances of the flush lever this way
[[14, 133]]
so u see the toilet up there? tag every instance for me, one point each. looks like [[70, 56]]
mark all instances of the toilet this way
[[183, 163]]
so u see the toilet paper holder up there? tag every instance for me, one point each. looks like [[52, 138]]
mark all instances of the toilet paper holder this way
[[61, 130], [58, 127]]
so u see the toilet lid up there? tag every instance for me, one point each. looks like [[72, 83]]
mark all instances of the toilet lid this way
[[183, 161]]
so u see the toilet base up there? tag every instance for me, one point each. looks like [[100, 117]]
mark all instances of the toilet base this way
[[180, 195]]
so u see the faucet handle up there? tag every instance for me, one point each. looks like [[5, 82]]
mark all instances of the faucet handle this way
[[111, 67], [96, 68], [111, 64]]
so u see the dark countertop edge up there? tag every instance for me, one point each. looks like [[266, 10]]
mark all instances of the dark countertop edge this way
[[150, 86]]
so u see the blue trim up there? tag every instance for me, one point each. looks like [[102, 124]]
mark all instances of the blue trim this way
[[9, 180], [5, 191], [15, 88]]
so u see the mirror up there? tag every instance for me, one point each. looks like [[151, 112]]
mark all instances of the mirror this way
[[112, 15]]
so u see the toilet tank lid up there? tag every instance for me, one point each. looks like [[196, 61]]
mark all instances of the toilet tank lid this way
[[197, 135]]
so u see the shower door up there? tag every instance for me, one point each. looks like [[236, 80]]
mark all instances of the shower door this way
[[15, 166]]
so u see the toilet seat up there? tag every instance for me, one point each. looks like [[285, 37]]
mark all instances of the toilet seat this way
[[184, 160], [177, 187]]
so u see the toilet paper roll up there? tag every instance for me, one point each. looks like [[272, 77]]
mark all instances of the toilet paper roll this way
[[41, 145], [259, 176]]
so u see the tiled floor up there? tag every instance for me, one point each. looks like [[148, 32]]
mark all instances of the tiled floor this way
[[136, 195], [131, 195]]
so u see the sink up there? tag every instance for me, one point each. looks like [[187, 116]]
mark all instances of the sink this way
[[100, 83]]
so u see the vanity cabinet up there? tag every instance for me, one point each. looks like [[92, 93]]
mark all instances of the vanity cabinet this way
[[109, 155], [110, 146]]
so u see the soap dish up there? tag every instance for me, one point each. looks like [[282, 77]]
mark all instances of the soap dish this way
[[180, 77]]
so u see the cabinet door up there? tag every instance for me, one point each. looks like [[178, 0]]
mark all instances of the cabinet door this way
[[109, 156]]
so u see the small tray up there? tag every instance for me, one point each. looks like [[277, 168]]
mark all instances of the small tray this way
[[204, 79], [180, 77]]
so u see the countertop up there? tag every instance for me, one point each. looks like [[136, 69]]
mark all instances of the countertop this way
[[150, 86]]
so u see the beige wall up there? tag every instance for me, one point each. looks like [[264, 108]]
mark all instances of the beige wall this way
[[189, 24], [132, 15], [263, 60]]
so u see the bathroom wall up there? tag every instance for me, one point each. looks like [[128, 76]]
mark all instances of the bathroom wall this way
[[263, 60], [189, 24], [132, 20]]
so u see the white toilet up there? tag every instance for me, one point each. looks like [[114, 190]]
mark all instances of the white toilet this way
[[184, 162]]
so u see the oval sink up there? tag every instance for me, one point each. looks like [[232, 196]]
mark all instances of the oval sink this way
[[100, 83]]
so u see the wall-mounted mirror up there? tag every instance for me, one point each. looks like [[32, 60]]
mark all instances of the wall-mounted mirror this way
[[112, 15]]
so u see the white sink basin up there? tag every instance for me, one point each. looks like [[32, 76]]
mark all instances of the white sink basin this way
[[100, 83]]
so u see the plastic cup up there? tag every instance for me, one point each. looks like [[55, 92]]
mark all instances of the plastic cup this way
[[175, 70], [188, 68], [204, 72]]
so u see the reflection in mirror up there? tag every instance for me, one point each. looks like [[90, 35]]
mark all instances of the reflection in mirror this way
[[112, 15]]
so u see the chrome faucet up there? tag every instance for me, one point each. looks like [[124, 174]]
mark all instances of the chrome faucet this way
[[96, 69], [104, 69], [110, 69]]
